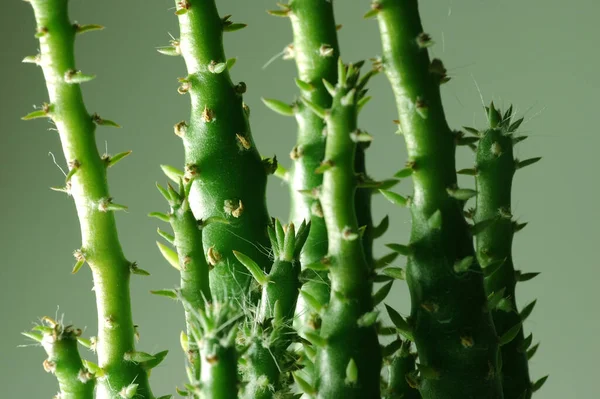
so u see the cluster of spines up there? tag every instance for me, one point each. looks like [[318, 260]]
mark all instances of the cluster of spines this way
[[494, 170], [86, 183]]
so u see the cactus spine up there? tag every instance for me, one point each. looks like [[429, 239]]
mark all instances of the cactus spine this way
[[87, 184], [452, 328], [219, 150], [494, 171]]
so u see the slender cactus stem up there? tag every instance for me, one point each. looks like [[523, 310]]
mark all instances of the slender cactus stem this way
[[400, 365], [315, 51], [348, 355], [495, 168], [87, 184], [192, 264], [219, 150], [60, 343], [452, 328]]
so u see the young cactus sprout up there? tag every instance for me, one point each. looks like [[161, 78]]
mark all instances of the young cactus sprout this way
[[189, 257], [495, 168], [87, 184], [75, 380], [268, 362], [452, 328], [230, 175], [348, 359]]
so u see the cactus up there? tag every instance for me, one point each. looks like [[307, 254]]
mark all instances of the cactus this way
[[494, 170], [277, 310]]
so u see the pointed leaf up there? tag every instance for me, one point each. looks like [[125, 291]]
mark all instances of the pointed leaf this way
[[402, 325], [386, 260], [252, 267], [169, 255], [526, 276], [279, 106], [532, 351], [464, 264], [161, 216], [401, 249], [510, 334], [155, 361], [171, 294], [527, 311], [461, 194], [394, 198], [316, 109], [538, 384], [395, 272], [381, 228], [404, 173], [382, 293], [527, 162]]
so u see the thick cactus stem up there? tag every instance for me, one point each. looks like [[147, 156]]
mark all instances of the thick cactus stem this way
[[495, 168], [343, 338], [60, 343], [88, 187], [219, 150], [453, 330]]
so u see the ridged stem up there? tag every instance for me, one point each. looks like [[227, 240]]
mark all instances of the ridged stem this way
[[453, 330], [88, 187], [219, 149], [495, 168], [348, 358], [316, 51]]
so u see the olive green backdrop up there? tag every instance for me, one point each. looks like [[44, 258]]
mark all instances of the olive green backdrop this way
[[540, 55]]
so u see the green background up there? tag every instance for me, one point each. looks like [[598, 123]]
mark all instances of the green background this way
[[539, 55]]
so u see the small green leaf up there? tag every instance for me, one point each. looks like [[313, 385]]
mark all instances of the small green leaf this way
[[311, 301], [316, 109], [481, 226], [303, 385], [532, 351], [527, 311], [351, 372], [329, 87], [137, 357], [104, 122], [402, 325], [515, 125], [302, 85], [231, 62], [510, 334], [159, 215], [386, 260], [538, 384], [463, 265], [394, 198], [217, 67], [155, 361], [40, 113], [77, 77], [252, 267], [472, 130], [382, 293], [395, 272], [234, 27], [461, 194], [279, 13], [435, 220], [116, 158], [401, 249], [368, 319], [169, 255], [468, 172], [279, 106], [362, 102], [88, 28], [520, 277], [34, 336], [315, 339], [404, 173], [527, 162], [381, 228], [525, 344], [171, 294], [371, 13], [78, 265], [170, 238]]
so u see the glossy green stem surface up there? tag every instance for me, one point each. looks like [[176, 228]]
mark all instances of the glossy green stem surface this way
[[401, 365], [89, 189], [64, 361], [495, 170], [346, 341], [219, 149], [453, 330], [316, 51]]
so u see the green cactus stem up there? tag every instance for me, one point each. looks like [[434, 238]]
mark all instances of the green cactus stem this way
[[494, 171], [453, 330], [60, 343], [87, 184], [267, 360], [213, 331], [315, 50], [348, 360], [190, 259], [219, 150], [401, 372]]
